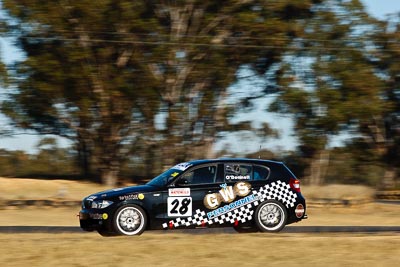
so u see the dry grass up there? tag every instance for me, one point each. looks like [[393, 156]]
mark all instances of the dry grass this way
[[338, 191], [39, 217], [159, 248], [152, 249], [13, 188], [17, 188]]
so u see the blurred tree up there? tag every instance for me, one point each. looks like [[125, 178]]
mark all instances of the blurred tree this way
[[10, 162], [151, 75], [75, 86], [97, 74], [50, 161], [331, 84], [387, 136], [3, 68]]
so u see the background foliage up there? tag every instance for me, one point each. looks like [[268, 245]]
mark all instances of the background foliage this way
[[139, 86]]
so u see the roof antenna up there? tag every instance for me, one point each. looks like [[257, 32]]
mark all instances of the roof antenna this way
[[259, 153]]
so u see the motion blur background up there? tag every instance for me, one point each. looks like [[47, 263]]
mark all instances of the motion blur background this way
[[115, 91]]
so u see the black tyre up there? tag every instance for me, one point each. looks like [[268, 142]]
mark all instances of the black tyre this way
[[130, 220], [245, 229], [106, 233], [270, 216]]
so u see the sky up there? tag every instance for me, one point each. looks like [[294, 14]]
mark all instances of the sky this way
[[28, 142]]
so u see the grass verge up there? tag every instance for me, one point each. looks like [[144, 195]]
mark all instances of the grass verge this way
[[199, 250]]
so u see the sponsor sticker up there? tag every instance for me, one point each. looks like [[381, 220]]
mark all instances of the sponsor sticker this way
[[139, 196], [96, 216], [91, 198], [179, 192], [182, 166], [129, 197]]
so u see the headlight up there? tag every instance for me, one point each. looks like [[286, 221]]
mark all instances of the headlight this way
[[101, 204]]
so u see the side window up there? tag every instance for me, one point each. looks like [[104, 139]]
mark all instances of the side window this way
[[236, 172], [202, 175], [260, 172]]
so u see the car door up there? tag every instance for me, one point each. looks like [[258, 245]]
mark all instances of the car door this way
[[186, 195]]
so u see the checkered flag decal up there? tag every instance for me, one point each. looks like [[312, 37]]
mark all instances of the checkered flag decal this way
[[241, 214], [198, 218], [277, 190]]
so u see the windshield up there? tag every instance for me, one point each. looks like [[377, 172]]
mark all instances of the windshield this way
[[165, 177]]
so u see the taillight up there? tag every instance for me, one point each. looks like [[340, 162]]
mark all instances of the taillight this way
[[295, 184]]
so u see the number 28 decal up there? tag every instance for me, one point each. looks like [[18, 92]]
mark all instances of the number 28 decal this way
[[179, 206]]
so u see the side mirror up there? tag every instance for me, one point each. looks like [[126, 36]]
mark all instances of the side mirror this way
[[182, 182]]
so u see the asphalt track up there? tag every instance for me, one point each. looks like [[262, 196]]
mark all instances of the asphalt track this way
[[289, 229]]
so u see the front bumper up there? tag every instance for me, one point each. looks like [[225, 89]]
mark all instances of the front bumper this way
[[91, 220]]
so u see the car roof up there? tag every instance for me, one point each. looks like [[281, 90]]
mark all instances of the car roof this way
[[243, 160]]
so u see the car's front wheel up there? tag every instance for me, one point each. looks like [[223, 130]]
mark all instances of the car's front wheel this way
[[130, 220], [271, 216]]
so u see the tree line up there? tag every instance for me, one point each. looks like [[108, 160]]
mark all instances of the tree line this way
[[147, 81]]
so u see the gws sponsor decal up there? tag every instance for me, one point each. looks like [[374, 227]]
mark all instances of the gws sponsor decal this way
[[234, 205], [227, 194], [179, 192]]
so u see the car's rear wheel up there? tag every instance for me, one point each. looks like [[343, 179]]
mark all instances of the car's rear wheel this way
[[130, 220], [270, 216]]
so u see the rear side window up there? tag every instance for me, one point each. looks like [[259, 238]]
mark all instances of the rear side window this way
[[237, 172], [260, 173]]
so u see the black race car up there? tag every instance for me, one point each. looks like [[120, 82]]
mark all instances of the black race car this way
[[249, 194]]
